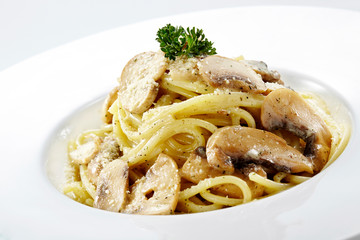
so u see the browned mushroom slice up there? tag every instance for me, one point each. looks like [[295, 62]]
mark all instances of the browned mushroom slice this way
[[286, 109], [110, 99], [112, 186], [85, 152], [138, 81], [221, 72], [109, 151], [242, 145], [261, 68], [196, 168], [158, 191]]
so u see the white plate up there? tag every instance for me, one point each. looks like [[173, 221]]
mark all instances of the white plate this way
[[39, 93]]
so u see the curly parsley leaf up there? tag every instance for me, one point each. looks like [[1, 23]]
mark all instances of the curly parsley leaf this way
[[177, 41]]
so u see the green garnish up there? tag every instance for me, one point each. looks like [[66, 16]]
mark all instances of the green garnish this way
[[177, 41]]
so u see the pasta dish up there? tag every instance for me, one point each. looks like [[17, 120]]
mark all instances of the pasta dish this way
[[201, 133]]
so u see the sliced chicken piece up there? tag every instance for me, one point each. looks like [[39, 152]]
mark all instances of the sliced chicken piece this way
[[109, 151], [286, 109], [236, 145], [85, 152], [110, 99], [196, 168], [261, 68], [112, 186], [226, 73], [138, 81], [158, 191]]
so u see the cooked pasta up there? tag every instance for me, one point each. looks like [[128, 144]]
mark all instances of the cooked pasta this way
[[174, 134]]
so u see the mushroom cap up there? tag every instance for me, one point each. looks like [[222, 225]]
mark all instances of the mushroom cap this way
[[243, 145], [109, 151], [158, 191], [261, 68], [112, 186], [284, 108], [138, 81], [222, 72]]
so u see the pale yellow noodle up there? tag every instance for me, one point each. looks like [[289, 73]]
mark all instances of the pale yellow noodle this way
[[192, 86], [279, 177], [179, 90], [125, 123], [217, 121], [89, 187], [211, 182], [204, 104], [237, 114], [294, 179], [165, 100], [102, 132], [208, 196], [175, 145], [191, 207], [270, 186], [77, 191], [141, 152], [121, 138]]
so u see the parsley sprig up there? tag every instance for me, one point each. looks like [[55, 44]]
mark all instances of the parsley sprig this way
[[177, 41]]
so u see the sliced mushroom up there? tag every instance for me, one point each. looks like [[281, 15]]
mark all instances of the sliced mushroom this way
[[85, 152], [243, 145], [110, 99], [184, 69], [138, 81], [226, 73], [158, 191], [261, 68], [109, 151], [286, 109], [112, 186], [196, 168]]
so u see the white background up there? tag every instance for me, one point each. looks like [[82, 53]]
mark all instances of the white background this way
[[30, 27]]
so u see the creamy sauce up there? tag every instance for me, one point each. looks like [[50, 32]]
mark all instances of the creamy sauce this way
[[84, 118]]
